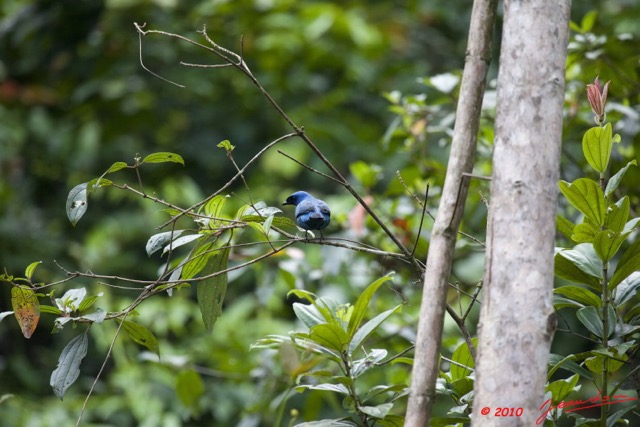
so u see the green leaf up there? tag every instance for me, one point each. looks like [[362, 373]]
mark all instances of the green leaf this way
[[362, 303], [226, 145], [368, 328], [181, 241], [462, 356], [77, 203], [379, 411], [564, 226], [372, 358], [163, 157], [627, 289], [68, 368], [28, 272], [214, 207], [338, 388], [262, 210], [596, 363], [116, 167], [585, 258], [584, 233], [607, 243], [198, 259], [615, 180], [590, 318], [596, 146], [562, 388], [581, 295], [557, 361], [629, 262], [567, 270], [618, 215], [586, 196], [211, 291], [331, 336], [367, 174], [631, 224], [50, 310], [26, 308], [189, 388], [277, 221], [98, 183], [308, 314], [157, 241], [88, 302], [141, 335]]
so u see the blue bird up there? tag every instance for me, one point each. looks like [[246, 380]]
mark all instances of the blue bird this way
[[311, 213]]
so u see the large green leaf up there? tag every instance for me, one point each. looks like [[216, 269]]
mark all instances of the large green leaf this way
[[606, 243], [464, 362], [331, 336], [362, 303], [618, 215], [189, 388], [567, 270], [584, 233], [585, 258], [211, 291], [366, 329], [586, 196], [198, 258], [596, 146], [162, 157], [68, 368], [581, 295], [562, 388], [564, 226], [590, 318], [629, 262], [141, 335], [627, 289]]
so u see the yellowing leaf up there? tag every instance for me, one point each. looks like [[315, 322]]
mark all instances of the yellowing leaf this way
[[27, 309]]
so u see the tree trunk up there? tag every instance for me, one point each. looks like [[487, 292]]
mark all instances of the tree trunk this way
[[443, 236], [516, 318]]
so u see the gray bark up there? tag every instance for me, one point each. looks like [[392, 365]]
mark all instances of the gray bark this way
[[516, 318], [443, 236]]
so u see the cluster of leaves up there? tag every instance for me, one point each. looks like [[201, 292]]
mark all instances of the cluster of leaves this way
[[336, 335], [607, 278], [206, 263]]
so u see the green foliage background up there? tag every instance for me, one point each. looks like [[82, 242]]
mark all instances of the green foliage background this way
[[74, 99]]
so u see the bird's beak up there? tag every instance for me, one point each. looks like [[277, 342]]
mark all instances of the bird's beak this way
[[285, 203]]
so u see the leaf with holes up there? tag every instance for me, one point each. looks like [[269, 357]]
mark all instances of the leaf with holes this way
[[141, 335], [163, 157], [26, 309], [77, 203]]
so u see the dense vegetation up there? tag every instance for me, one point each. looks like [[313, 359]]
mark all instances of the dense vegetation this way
[[374, 85]]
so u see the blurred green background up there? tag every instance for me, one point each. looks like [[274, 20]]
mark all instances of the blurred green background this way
[[367, 80]]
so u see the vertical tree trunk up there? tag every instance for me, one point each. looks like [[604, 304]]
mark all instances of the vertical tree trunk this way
[[516, 318], [443, 237]]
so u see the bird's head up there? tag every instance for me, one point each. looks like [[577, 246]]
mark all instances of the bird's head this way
[[296, 198]]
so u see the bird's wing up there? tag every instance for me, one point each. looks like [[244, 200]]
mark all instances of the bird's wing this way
[[304, 207], [323, 207]]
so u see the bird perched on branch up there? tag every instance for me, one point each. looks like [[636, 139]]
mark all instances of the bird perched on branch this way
[[311, 213]]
